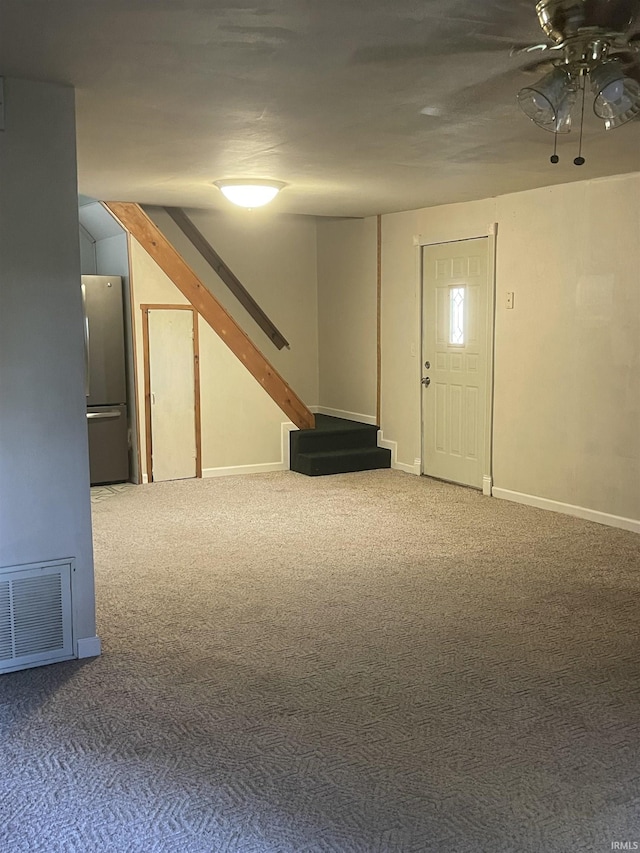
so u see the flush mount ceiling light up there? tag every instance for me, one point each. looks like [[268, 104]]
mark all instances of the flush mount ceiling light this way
[[249, 192], [588, 41]]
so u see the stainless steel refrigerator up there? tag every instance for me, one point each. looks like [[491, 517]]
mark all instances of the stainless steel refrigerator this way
[[106, 385]]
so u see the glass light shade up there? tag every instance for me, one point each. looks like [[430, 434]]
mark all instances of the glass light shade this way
[[617, 96], [250, 192], [548, 102]]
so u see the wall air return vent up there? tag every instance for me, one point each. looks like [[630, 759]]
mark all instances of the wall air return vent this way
[[35, 615]]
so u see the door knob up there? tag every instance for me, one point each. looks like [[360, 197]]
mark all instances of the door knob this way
[[426, 381]]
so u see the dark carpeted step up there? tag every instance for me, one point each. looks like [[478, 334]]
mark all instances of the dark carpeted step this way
[[341, 461], [312, 440], [324, 422]]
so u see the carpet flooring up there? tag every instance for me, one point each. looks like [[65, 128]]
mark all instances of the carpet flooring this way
[[365, 663]]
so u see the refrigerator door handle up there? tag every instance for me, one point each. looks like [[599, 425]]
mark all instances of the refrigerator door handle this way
[[87, 357], [104, 415]]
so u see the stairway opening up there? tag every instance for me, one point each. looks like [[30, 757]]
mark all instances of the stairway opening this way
[[337, 446]]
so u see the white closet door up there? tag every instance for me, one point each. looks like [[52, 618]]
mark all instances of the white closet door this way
[[172, 386]]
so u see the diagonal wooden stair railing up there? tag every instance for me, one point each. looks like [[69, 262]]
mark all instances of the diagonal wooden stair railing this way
[[134, 220]]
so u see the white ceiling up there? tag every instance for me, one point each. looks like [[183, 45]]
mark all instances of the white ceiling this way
[[323, 94]]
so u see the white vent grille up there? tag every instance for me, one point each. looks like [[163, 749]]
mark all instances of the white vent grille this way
[[6, 644], [35, 615]]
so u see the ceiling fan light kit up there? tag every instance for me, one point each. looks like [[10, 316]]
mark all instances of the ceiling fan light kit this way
[[549, 102], [589, 41], [617, 97]]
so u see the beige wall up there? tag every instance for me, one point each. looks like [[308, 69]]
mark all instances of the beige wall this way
[[567, 377], [347, 315], [274, 256], [241, 425], [567, 387]]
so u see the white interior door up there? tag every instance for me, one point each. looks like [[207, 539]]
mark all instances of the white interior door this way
[[455, 348], [172, 394]]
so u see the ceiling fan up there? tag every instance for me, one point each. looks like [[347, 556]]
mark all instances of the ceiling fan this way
[[588, 43]]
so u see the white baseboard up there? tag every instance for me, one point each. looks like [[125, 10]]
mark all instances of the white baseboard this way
[[145, 479], [487, 486], [285, 452], [348, 416], [231, 470], [568, 509], [261, 467], [408, 468], [88, 647]]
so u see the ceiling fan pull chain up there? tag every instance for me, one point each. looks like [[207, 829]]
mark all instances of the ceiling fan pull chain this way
[[579, 161], [554, 157]]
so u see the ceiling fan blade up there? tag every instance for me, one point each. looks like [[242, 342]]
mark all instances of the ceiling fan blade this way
[[633, 70], [397, 53], [627, 57], [476, 99], [517, 49], [436, 28], [539, 65]]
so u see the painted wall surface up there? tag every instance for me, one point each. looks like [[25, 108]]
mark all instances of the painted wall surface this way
[[241, 425], [347, 314], [112, 255], [45, 510], [274, 256], [87, 254], [567, 376], [567, 357]]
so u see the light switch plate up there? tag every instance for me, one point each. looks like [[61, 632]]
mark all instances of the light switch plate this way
[[510, 299]]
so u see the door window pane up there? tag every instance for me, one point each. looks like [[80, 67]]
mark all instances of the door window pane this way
[[456, 313]]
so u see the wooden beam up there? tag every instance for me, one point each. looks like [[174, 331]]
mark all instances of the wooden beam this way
[[134, 220], [200, 242]]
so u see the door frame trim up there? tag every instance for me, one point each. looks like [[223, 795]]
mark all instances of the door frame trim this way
[[145, 308], [421, 243], [134, 415]]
